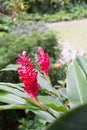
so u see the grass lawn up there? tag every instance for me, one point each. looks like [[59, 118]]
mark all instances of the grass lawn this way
[[73, 33]]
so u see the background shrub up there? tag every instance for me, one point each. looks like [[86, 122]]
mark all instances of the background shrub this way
[[11, 45], [35, 123], [43, 6], [26, 36]]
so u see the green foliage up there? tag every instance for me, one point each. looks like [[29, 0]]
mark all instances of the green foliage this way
[[75, 119], [36, 123], [5, 23], [76, 85], [47, 10], [15, 98], [59, 73], [51, 104], [11, 44], [50, 6], [47, 107], [42, 6], [70, 12], [15, 7]]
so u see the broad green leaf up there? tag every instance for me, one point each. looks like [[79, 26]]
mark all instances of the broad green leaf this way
[[53, 103], [45, 115], [13, 91], [16, 106], [18, 86], [83, 63], [74, 120], [16, 102], [76, 85], [44, 83], [49, 99], [11, 98], [63, 92]]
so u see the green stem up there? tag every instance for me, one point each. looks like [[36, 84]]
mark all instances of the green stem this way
[[49, 111], [44, 108], [56, 93]]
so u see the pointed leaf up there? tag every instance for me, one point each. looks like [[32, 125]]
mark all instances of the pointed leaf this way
[[44, 115], [13, 106], [18, 86], [52, 103], [48, 100], [11, 98], [76, 85], [17, 106], [83, 64], [13, 91], [44, 83]]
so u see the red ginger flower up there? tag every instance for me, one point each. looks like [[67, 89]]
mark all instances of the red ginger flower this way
[[28, 74], [44, 61]]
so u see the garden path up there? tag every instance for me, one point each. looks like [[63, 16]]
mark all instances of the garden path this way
[[70, 50]]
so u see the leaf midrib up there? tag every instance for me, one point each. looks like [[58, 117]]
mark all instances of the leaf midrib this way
[[78, 88]]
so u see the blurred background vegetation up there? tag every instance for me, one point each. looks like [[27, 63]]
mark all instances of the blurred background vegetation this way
[[22, 27]]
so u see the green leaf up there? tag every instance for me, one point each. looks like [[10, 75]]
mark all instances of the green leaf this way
[[18, 86], [11, 98], [76, 85], [57, 108], [48, 100], [11, 106], [63, 92], [44, 83], [74, 120], [83, 64], [45, 115], [10, 67], [53, 103], [13, 90], [16, 106]]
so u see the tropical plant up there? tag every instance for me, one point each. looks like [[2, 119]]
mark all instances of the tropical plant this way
[[77, 82], [46, 101], [49, 104]]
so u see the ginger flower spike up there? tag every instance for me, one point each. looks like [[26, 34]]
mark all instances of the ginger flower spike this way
[[28, 74], [44, 61]]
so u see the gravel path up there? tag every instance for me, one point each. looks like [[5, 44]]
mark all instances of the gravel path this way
[[56, 24], [69, 52]]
